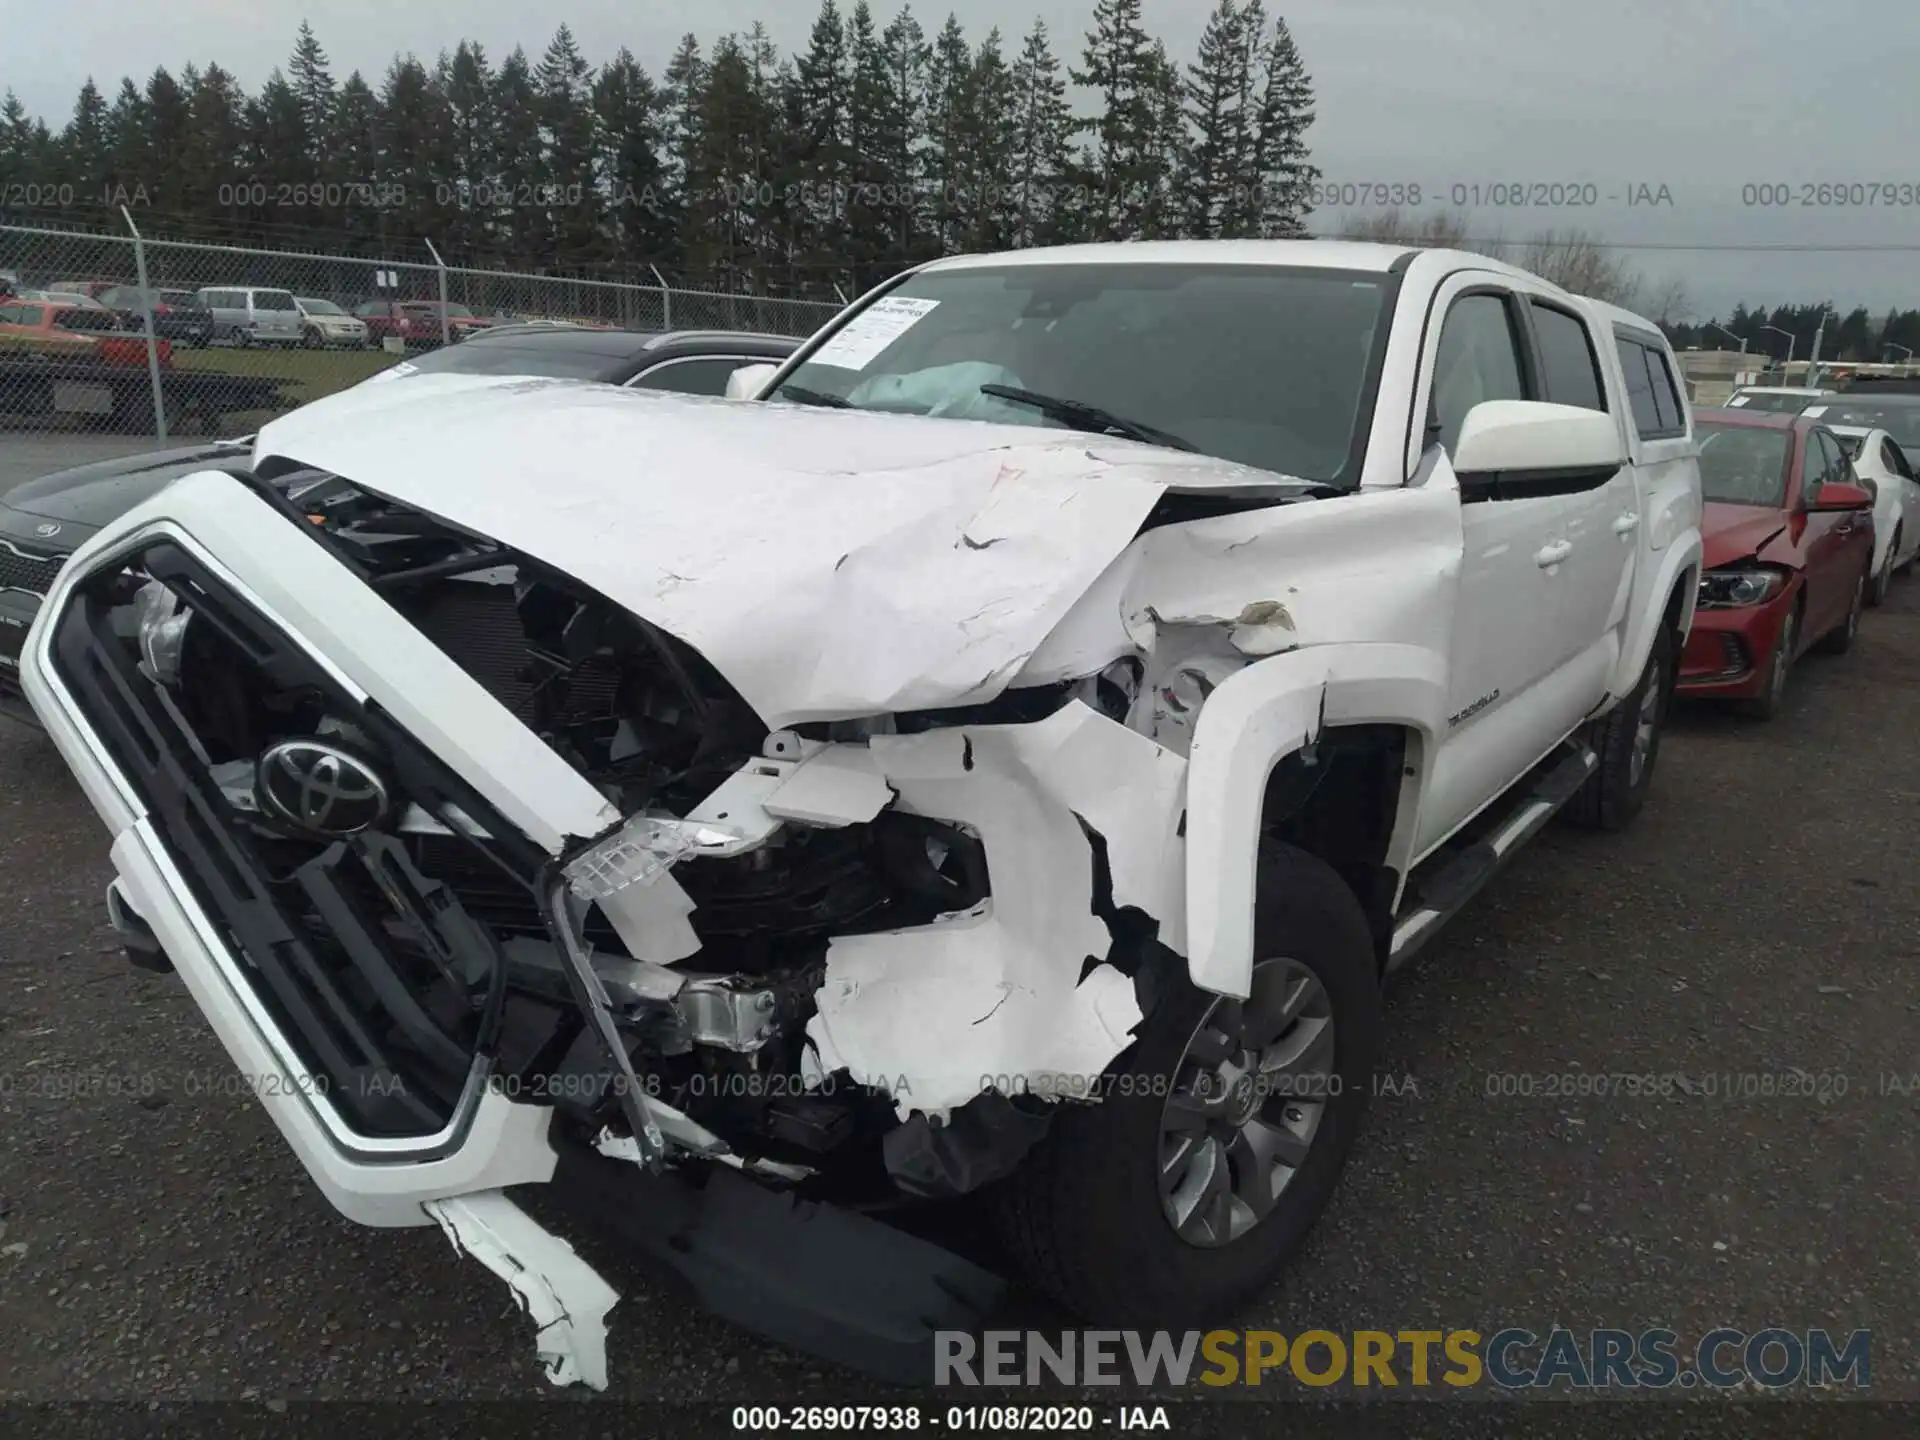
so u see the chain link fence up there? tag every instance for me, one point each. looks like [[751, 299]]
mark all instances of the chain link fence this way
[[144, 336]]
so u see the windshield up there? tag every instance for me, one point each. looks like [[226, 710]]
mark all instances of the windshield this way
[[1267, 366], [1743, 464], [321, 307], [1902, 421]]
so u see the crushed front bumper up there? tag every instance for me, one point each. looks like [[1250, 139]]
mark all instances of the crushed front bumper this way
[[1078, 815]]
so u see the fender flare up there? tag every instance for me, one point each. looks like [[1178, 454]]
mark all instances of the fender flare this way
[[1675, 561], [1257, 717]]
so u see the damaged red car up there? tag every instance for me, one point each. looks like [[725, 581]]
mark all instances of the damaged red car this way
[[1788, 530]]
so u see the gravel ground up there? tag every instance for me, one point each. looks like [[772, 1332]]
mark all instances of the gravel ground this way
[[161, 1242]]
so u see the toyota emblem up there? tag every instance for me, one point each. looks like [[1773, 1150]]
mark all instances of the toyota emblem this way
[[46, 531], [320, 788]]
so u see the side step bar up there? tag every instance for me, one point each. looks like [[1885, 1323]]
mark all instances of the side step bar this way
[[1461, 875]]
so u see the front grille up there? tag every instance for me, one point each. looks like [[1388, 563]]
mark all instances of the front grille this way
[[24, 570], [385, 986]]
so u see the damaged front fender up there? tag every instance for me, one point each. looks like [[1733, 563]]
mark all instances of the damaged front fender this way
[[1018, 995]]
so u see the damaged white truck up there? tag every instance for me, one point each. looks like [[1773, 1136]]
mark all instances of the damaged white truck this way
[[1001, 759]]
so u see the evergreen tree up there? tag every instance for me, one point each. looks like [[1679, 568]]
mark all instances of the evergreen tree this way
[[901, 129], [87, 146], [824, 170], [214, 158], [1169, 143], [1219, 87], [869, 217], [947, 167], [1042, 158], [992, 137], [278, 159], [1119, 66], [26, 158], [466, 82], [516, 171], [572, 201], [166, 140], [312, 85], [354, 149], [1285, 173], [631, 176], [130, 150]]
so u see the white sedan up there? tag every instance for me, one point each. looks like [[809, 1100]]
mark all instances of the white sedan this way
[[1896, 503]]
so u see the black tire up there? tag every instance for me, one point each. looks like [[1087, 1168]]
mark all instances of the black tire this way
[[1083, 1215], [310, 339], [1839, 640], [1779, 668], [1883, 582], [1617, 788]]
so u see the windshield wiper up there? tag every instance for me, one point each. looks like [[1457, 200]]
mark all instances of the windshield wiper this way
[[804, 396], [1091, 418]]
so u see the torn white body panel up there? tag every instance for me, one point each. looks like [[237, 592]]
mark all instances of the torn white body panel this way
[[827, 564], [565, 1296], [996, 1000]]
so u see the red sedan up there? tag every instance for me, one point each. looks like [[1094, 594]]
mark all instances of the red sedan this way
[[1789, 547]]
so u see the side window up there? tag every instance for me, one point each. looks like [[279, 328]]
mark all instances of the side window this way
[[12, 315], [1567, 361], [1633, 364], [1894, 460], [1820, 459], [705, 376], [1478, 359], [1666, 394]]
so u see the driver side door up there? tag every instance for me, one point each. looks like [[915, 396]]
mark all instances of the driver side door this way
[[1507, 702], [1832, 564]]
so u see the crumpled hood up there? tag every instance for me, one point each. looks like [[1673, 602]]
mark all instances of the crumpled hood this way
[[1735, 532], [828, 564]]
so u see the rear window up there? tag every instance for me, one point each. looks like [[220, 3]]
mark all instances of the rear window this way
[[1658, 410], [273, 300], [494, 357]]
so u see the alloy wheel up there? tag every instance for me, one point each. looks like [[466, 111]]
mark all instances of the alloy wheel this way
[[1249, 1094], [1782, 659]]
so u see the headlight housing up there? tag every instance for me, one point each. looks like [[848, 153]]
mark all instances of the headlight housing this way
[[1740, 587]]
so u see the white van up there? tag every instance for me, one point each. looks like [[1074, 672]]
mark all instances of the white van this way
[[251, 315]]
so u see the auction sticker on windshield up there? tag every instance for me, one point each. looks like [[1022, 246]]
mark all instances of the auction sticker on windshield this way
[[871, 331]]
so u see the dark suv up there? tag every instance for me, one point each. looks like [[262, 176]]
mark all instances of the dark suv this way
[[178, 315]]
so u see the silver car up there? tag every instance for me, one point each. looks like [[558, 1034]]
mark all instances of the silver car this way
[[252, 315]]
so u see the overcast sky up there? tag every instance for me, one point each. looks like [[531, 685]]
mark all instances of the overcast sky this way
[[1703, 97]]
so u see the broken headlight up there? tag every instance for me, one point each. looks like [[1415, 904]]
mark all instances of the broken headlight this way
[[163, 630], [1736, 588]]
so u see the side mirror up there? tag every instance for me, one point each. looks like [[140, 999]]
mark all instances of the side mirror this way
[[1838, 495], [1507, 435], [749, 380]]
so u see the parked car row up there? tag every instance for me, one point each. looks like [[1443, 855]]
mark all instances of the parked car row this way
[[246, 315]]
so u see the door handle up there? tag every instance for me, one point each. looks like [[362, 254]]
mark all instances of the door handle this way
[[1626, 524], [1553, 554]]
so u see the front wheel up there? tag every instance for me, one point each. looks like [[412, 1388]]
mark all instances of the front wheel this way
[[1626, 742], [1222, 1130]]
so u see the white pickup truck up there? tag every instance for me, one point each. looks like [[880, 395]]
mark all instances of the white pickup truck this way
[[1006, 762]]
